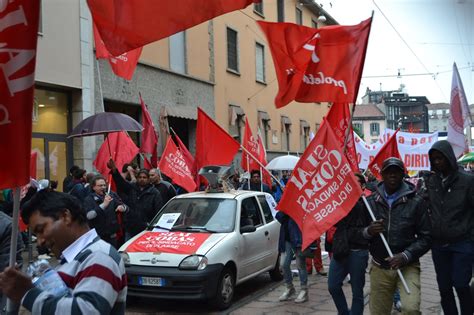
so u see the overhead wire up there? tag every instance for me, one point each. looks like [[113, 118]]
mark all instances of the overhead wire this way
[[408, 46]]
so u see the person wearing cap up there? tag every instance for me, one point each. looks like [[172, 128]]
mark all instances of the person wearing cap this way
[[450, 194], [402, 217]]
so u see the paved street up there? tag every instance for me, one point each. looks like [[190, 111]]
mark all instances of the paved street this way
[[320, 301]]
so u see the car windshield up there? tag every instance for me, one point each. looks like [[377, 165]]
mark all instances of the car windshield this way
[[198, 215]]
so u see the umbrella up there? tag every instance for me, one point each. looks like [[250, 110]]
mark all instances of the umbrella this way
[[467, 158], [103, 123], [282, 163]]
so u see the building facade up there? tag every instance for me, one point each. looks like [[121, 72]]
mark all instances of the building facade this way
[[368, 121], [223, 66]]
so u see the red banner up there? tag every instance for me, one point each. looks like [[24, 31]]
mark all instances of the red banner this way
[[322, 189], [317, 65], [128, 24], [338, 118], [389, 149], [174, 165], [122, 65], [18, 33], [168, 242]]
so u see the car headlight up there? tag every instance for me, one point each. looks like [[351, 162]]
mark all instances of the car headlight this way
[[125, 257], [194, 262]]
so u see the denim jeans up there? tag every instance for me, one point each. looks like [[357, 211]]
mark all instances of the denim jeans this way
[[354, 265], [453, 265], [300, 264]]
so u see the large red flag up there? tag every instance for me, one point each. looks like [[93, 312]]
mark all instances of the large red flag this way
[[389, 149], [214, 146], [149, 135], [460, 117], [317, 65], [128, 24], [18, 37], [338, 118], [123, 150], [174, 165], [322, 189], [124, 64]]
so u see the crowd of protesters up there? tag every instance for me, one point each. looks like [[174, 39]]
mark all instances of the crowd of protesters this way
[[436, 213]]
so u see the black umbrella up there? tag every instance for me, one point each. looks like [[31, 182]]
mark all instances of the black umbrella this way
[[106, 122]]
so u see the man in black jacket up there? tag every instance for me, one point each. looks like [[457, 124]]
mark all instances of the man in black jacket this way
[[403, 219], [350, 256], [144, 200], [165, 188], [101, 210], [451, 203]]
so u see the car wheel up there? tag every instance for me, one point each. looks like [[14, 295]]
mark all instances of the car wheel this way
[[276, 274], [225, 290]]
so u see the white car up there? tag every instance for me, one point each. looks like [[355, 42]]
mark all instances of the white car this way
[[201, 245]]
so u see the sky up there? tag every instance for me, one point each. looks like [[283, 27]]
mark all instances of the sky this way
[[432, 35]]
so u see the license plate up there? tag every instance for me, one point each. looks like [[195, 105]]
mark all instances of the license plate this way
[[151, 281]]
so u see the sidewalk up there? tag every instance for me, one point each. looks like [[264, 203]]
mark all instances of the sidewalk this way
[[320, 301]]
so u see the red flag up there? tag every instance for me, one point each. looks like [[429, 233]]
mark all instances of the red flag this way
[[460, 117], [123, 65], [266, 178], [128, 24], [253, 145], [322, 189], [338, 118], [317, 65], [18, 33], [389, 149], [149, 136], [174, 165], [188, 157], [123, 150], [214, 146], [33, 161]]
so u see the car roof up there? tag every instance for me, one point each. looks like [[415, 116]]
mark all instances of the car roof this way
[[231, 194]]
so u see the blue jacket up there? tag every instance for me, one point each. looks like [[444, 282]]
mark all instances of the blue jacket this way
[[289, 232]]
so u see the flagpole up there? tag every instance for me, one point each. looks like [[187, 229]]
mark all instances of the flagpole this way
[[263, 166], [14, 240], [250, 174], [400, 275], [356, 92]]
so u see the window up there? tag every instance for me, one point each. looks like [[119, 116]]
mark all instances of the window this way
[[299, 16], [40, 19], [264, 121], [236, 121], [280, 10], [258, 8], [250, 213], [267, 212], [260, 63], [285, 133], [314, 24], [358, 128], [374, 129], [232, 51], [304, 134], [178, 52]]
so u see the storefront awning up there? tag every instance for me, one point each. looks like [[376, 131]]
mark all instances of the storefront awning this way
[[182, 112]]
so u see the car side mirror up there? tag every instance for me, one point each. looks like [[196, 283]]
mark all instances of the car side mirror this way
[[247, 229]]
